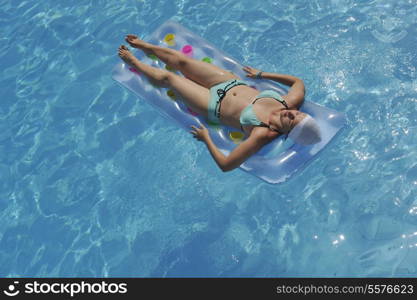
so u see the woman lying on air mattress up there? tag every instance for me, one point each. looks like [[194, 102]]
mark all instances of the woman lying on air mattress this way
[[227, 99]]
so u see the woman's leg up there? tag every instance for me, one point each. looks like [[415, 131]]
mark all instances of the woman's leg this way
[[193, 95], [201, 72]]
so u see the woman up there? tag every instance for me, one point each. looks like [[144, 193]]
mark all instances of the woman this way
[[224, 98]]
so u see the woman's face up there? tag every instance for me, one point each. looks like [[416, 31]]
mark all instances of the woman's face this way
[[285, 120]]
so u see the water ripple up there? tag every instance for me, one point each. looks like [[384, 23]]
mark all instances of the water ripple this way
[[95, 183]]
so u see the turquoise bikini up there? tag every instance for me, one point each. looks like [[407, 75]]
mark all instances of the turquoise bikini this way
[[217, 94], [247, 116]]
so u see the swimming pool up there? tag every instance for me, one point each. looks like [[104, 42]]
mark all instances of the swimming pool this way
[[95, 183]]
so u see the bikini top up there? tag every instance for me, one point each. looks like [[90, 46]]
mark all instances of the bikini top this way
[[248, 116]]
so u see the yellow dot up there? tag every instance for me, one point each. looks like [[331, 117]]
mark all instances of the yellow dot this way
[[170, 39], [171, 94], [236, 136]]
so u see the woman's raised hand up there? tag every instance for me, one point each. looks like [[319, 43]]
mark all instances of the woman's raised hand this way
[[251, 72]]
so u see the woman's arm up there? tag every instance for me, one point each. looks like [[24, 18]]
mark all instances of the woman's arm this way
[[239, 155], [295, 96]]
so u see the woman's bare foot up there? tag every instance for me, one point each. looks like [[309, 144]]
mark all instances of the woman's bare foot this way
[[134, 41], [126, 55]]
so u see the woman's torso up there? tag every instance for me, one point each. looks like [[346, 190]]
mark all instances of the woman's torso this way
[[238, 98]]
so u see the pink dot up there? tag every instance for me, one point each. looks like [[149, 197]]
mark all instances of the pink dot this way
[[133, 70], [187, 50], [192, 112]]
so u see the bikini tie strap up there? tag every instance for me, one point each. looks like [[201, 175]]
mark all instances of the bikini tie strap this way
[[221, 93]]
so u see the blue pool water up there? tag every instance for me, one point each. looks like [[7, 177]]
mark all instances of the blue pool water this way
[[93, 182]]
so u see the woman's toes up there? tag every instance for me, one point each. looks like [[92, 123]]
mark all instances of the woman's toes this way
[[133, 40], [125, 54], [122, 50], [131, 37]]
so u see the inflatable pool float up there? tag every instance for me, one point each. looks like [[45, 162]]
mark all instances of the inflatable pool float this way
[[275, 162]]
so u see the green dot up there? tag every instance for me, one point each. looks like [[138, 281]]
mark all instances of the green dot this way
[[207, 59], [153, 57], [170, 68], [154, 84], [213, 125]]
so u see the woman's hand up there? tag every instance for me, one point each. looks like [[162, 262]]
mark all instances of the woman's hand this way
[[200, 134], [251, 72]]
